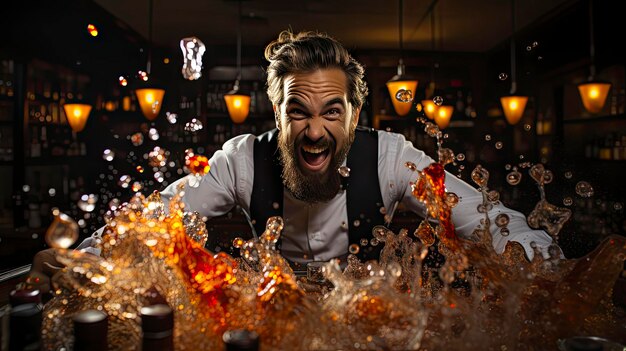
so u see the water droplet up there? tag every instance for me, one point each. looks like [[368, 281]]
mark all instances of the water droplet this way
[[410, 165], [452, 199], [528, 48], [504, 231], [356, 223], [493, 196], [584, 189], [535, 44], [139, 169], [431, 129], [487, 137], [344, 171], [62, 233], [275, 205], [354, 249], [364, 242], [438, 100], [114, 204], [527, 127], [446, 156], [568, 175], [197, 164], [507, 167], [193, 126], [108, 155], [548, 177], [514, 178], [87, 202], [374, 242], [567, 201], [537, 172], [26, 188], [502, 220], [238, 243], [52, 191], [153, 134], [484, 208], [193, 180], [158, 176], [460, 157], [503, 76], [618, 206], [136, 139], [404, 95], [499, 145], [480, 176]]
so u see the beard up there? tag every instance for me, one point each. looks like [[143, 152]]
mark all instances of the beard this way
[[312, 187]]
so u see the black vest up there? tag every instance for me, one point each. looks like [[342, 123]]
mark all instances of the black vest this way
[[363, 195]]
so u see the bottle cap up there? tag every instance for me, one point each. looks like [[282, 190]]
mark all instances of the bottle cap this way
[[241, 340], [22, 296], [156, 319], [90, 327]]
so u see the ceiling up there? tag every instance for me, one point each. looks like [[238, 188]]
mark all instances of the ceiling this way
[[460, 25]]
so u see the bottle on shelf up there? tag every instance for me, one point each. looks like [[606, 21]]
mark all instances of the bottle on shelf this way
[[157, 327], [20, 296], [241, 340], [90, 330]]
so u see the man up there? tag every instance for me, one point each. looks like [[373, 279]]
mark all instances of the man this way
[[317, 90]]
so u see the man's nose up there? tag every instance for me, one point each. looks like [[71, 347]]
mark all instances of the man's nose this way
[[315, 129]]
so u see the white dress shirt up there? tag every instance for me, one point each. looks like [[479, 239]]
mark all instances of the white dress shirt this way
[[320, 231]]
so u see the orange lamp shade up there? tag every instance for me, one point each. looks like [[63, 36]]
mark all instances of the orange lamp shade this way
[[150, 101], [513, 107], [401, 108], [430, 108], [77, 115], [594, 95], [443, 114], [238, 106]]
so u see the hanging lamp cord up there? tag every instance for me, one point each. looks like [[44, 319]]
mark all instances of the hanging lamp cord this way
[[239, 43], [513, 73], [592, 47], [149, 63]]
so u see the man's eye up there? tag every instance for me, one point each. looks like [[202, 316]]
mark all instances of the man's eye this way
[[333, 112], [296, 112]]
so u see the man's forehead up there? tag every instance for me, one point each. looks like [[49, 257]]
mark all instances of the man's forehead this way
[[321, 80]]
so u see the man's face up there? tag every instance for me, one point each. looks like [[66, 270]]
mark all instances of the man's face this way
[[317, 125]]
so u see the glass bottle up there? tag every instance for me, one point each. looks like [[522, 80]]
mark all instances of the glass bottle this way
[[90, 331], [240, 340], [157, 326], [25, 327]]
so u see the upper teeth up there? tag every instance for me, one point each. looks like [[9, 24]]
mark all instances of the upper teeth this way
[[314, 149]]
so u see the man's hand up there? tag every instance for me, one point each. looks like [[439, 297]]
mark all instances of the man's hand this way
[[43, 268]]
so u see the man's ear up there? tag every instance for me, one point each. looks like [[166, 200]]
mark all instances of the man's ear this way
[[355, 119], [277, 115]]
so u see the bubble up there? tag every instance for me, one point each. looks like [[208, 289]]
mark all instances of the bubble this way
[[139, 169], [507, 167], [374, 242], [158, 176], [446, 156], [344, 171], [356, 223], [568, 175], [431, 129], [548, 177], [528, 48], [87, 202], [364, 242], [62, 233], [136, 139], [404, 95], [503, 76], [438, 100], [535, 44], [527, 127], [504, 231], [514, 178], [484, 208], [567, 201], [52, 191], [275, 205], [480, 176], [108, 155], [114, 204], [493, 196], [193, 180], [26, 188], [157, 157], [410, 165], [502, 220], [537, 172], [124, 181], [136, 187], [171, 117], [197, 164], [238, 243], [487, 137], [584, 189], [452, 199], [618, 206], [353, 249], [499, 145], [460, 157]]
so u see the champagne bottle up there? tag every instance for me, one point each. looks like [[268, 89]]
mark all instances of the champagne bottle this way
[[157, 326], [241, 340], [90, 330], [23, 296]]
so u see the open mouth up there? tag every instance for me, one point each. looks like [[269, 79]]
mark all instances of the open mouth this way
[[314, 158]]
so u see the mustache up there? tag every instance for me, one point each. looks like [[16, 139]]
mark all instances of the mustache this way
[[321, 143]]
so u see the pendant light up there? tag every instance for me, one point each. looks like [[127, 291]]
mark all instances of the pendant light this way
[[238, 103], [401, 81], [513, 104], [593, 93], [442, 116], [77, 115], [150, 98]]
